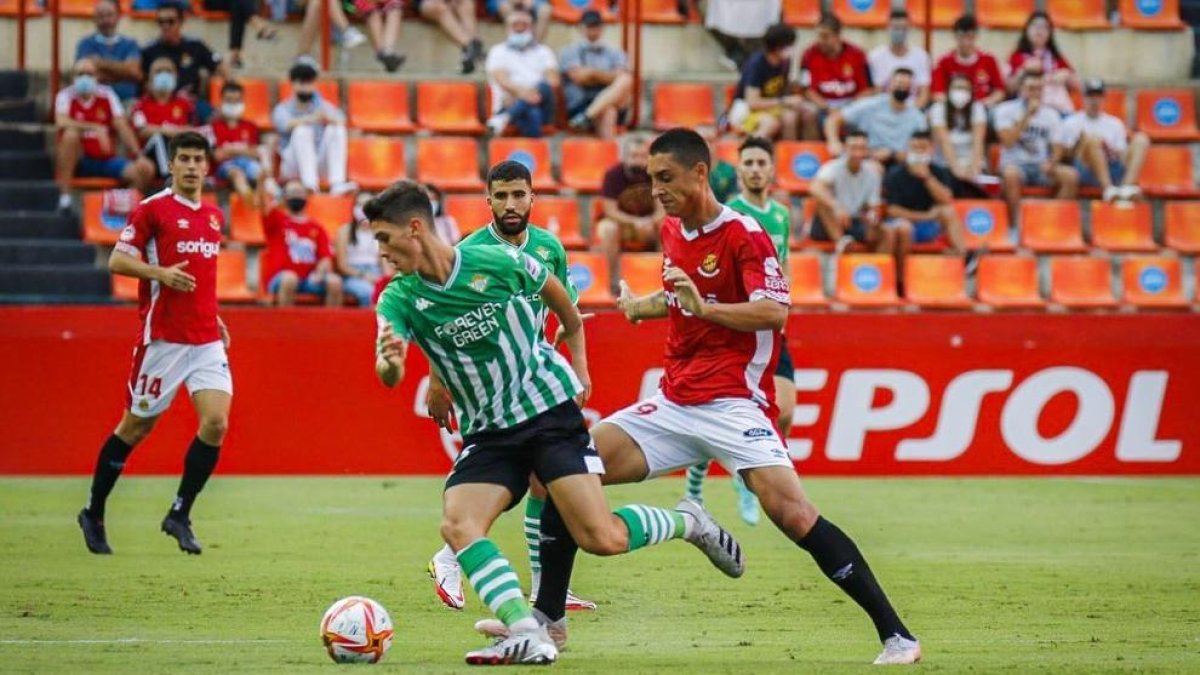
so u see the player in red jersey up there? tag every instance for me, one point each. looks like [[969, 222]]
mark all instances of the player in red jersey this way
[[725, 298], [171, 245]]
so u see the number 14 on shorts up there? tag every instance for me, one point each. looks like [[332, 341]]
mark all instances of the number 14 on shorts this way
[[146, 385]]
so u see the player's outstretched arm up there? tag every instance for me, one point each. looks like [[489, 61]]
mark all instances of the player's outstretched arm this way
[[391, 350], [555, 296], [653, 306], [173, 277], [752, 316]]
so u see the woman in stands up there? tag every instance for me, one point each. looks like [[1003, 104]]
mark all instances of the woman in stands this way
[[1037, 52], [357, 255], [959, 126]]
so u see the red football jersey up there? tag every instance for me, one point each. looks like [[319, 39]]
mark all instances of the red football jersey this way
[[983, 71], [293, 244], [165, 230], [730, 260], [837, 78], [102, 108], [176, 111], [242, 133]]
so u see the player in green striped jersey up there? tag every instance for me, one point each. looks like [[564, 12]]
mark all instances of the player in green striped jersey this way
[[756, 172], [467, 310], [510, 197]]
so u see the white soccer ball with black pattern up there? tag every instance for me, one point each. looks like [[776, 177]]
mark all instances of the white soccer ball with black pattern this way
[[356, 630]]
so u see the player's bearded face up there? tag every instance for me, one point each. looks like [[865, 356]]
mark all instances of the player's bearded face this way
[[675, 186], [757, 169], [510, 201]]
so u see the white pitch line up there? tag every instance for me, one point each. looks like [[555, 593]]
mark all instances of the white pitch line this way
[[134, 641]]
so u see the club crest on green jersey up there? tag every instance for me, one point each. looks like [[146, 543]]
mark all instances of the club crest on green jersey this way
[[479, 283]]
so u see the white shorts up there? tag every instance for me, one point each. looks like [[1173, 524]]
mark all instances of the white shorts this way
[[160, 368], [734, 432]]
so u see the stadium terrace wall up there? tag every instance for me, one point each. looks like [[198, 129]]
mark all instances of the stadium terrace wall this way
[[921, 394]]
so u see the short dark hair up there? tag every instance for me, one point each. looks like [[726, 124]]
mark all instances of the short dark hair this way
[[921, 135], [232, 85], [855, 132], [509, 169], [302, 72], [966, 24], [757, 142], [779, 36], [898, 14], [685, 145], [831, 21], [400, 201], [903, 70], [190, 140]]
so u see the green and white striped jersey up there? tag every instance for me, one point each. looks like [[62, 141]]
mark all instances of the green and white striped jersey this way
[[482, 337]]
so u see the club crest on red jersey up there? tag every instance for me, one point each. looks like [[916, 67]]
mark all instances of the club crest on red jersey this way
[[212, 222], [708, 268]]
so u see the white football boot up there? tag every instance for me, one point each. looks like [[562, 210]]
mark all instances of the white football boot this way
[[899, 651], [718, 544], [447, 578], [534, 649]]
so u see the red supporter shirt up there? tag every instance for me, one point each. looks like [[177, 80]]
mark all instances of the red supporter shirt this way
[[730, 260], [164, 230], [836, 78], [982, 70], [242, 133], [296, 245], [176, 111], [103, 108]]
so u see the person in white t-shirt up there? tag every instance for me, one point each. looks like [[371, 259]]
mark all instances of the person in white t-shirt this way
[[1122, 155], [896, 54], [959, 126], [523, 75], [1030, 153]]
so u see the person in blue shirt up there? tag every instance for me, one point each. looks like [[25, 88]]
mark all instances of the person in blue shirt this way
[[117, 57]]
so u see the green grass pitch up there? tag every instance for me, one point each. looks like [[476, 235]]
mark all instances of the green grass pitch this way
[[1039, 575]]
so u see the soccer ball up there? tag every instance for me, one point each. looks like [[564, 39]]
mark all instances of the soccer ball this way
[[356, 630]]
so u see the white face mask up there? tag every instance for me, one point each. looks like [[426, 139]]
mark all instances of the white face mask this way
[[959, 98], [233, 111], [520, 40], [914, 158]]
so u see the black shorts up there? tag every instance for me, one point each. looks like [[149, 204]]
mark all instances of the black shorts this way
[[858, 230], [552, 445], [785, 369]]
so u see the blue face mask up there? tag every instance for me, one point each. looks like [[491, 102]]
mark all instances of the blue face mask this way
[[163, 81], [85, 85], [520, 40]]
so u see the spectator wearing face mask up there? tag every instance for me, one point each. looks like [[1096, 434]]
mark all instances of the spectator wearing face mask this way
[[1037, 53], [888, 120], [523, 75], [161, 114], [959, 126], [298, 258], [314, 134], [597, 85], [539, 12], [357, 255], [240, 159], [193, 59], [896, 54], [117, 57]]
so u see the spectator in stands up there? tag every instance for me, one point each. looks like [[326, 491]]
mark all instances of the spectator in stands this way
[[347, 35], [959, 125], [722, 178], [457, 20], [383, 19], [888, 119], [243, 13], [597, 84], [298, 258], [848, 195], [1031, 153], [357, 255], [538, 11], [161, 114], [444, 223], [1037, 52], [117, 57], [897, 54], [313, 131], [240, 159], [979, 66], [1104, 152], [90, 119], [833, 73], [738, 26], [523, 75], [763, 104], [631, 215], [920, 201], [193, 60]]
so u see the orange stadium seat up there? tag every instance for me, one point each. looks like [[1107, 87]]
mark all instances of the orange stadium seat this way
[[944, 12], [1152, 281], [245, 222], [1150, 14], [231, 277], [1123, 226], [80, 183], [1008, 282], [1082, 282], [330, 211], [985, 223], [803, 13], [124, 288], [450, 163], [1181, 226], [866, 280], [560, 215], [642, 271], [534, 153], [584, 161], [806, 280], [797, 162], [1052, 226], [1168, 172], [569, 11], [330, 90], [727, 149], [936, 281], [380, 107], [12, 8], [76, 8], [471, 212], [449, 107], [1079, 14], [256, 95], [100, 227], [683, 104], [1003, 13], [1167, 114], [375, 162], [1115, 102], [862, 13], [589, 273], [662, 11]]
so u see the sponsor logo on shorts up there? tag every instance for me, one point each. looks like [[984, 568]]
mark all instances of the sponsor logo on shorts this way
[[758, 432], [143, 405], [646, 409]]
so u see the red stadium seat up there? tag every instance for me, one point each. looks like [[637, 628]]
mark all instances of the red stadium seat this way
[[1152, 282], [683, 104], [1079, 14], [1052, 226], [375, 162], [534, 153], [245, 222], [866, 280], [643, 272], [1081, 282], [449, 107], [1153, 15], [330, 90], [74, 8], [662, 11], [1003, 13], [80, 183], [584, 161], [803, 13], [379, 107], [231, 277], [560, 215], [330, 211], [1168, 172], [1123, 226], [1009, 282], [125, 288], [569, 11], [451, 163], [589, 273], [944, 12], [863, 13], [806, 280], [727, 149], [1115, 102], [985, 223], [1182, 226], [936, 282], [1168, 114], [11, 8], [256, 94], [797, 163], [471, 212]]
